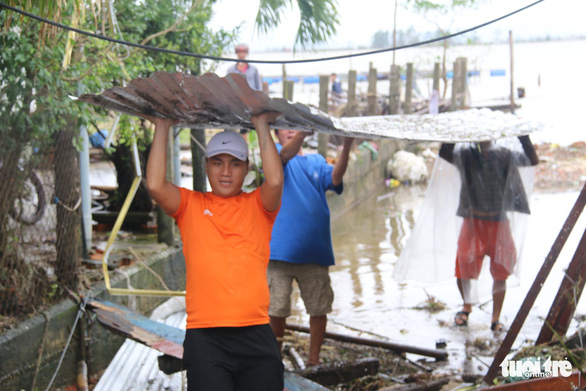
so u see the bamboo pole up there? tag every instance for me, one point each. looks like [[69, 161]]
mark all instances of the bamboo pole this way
[[322, 138]]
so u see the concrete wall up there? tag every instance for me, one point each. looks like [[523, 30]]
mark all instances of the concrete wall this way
[[20, 347]]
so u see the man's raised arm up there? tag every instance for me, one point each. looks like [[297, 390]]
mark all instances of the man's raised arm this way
[[165, 193], [342, 163], [272, 188], [529, 149]]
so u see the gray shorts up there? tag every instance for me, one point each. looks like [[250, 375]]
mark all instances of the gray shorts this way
[[314, 285]]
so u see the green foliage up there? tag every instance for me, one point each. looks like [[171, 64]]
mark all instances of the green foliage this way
[[319, 19], [31, 72], [53, 290], [25, 80], [190, 34], [443, 7]]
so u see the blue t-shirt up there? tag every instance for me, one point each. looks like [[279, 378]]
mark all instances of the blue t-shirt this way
[[301, 233]]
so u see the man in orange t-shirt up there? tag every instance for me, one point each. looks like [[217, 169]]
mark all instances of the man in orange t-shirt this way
[[229, 344]]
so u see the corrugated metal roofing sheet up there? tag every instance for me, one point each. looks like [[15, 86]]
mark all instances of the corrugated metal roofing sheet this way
[[210, 101]]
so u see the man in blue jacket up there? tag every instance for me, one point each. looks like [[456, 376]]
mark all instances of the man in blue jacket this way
[[301, 244]]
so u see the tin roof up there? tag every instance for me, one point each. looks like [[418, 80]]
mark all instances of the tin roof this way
[[210, 101]]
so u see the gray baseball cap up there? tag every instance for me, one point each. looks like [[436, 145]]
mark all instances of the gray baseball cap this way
[[228, 142]]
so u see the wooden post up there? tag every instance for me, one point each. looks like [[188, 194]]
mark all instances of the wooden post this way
[[198, 157], [285, 82], [409, 88], [561, 239], [288, 90], [512, 81], [455, 73], [371, 96], [351, 105], [395, 89], [322, 138], [436, 77], [463, 89]]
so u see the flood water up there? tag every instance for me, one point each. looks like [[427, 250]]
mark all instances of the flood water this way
[[368, 239], [370, 303]]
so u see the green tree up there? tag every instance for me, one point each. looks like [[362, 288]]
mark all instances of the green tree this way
[[43, 66]]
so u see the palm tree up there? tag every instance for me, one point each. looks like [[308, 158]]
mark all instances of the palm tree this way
[[319, 19], [318, 22]]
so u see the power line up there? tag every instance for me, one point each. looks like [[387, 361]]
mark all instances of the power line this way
[[203, 56]]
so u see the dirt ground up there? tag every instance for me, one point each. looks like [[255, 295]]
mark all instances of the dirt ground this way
[[560, 168]]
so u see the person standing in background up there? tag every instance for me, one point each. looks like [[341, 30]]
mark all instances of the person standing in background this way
[[491, 188], [248, 70], [301, 244]]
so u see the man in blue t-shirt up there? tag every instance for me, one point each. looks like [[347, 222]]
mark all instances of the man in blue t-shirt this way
[[301, 244]]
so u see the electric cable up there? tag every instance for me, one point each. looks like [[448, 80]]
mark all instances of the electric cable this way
[[206, 57]]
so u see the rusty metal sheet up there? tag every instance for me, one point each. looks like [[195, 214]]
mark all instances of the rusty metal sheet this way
[[139, 328], [210, 101]]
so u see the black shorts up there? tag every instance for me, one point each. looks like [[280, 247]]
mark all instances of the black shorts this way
[[233, 358]]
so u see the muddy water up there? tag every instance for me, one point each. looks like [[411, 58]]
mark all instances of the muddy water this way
[[370, 303]]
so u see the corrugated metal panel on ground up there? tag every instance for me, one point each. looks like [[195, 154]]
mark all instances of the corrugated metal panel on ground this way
[[210, 101], [135, 366]]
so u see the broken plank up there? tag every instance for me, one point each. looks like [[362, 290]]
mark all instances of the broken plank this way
[[166, 339]]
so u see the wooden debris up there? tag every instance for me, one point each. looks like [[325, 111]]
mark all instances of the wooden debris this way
[[435, 353], [334, 374]]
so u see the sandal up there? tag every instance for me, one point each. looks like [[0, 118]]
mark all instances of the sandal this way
[[497, 326], [461, 318]]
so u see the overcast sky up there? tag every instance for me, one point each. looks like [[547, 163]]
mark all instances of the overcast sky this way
[[360, 20]]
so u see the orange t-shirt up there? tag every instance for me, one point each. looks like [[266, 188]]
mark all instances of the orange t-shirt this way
[[226, 248]]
